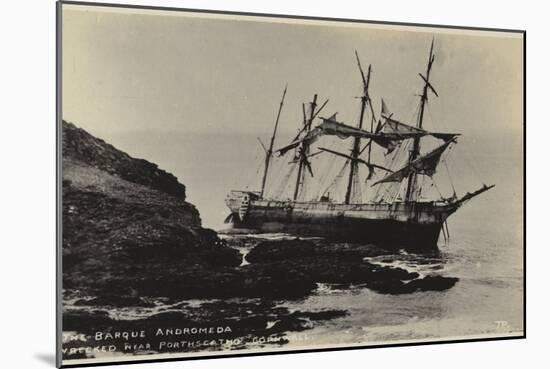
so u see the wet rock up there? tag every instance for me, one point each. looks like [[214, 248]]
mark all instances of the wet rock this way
[[322, 315], [276, 280], [433, 283], [341, 264], [114, 300], [81, 319], [270, 251], [353, 251], [428, 283]]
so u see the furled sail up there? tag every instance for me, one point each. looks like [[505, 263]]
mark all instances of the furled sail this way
[[332, 127], [393, 131], [387, 136], [329, 127], [370, 166], [400, 131], [425, 164]]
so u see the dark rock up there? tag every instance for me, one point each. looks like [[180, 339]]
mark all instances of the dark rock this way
[[79, 320], [326, 263], [82, 146], [350, 250], [428, 283], [433, 283], [269, 251], [322, 315], [114, 300], [339, 264], [290, 323], [128, 231], [389, 286], [276, 280]]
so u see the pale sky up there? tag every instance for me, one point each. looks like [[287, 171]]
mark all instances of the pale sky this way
[[139, 70]]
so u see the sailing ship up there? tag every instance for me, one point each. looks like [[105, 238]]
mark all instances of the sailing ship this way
[[397, 215]]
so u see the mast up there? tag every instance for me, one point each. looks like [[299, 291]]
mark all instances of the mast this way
[[413, 154], [304, 150], [269, 152], [356, 149]]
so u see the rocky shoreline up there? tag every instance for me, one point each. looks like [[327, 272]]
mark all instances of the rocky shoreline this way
[[130, 236]]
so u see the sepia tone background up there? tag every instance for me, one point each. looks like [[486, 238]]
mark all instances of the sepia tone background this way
[[193, 92]]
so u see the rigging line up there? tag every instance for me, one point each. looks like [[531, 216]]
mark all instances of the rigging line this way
[[388, 191], [466, 160], [281, 176], [438, 190], [256, 174], [245, 173], [337, 178], [449, 175], [397, 158], [472, 167], [397, 190], [285, 182], [419, 187], [415, 113], [325, 175], [434, 126], [274, 179], [389, 162], [252, 174]]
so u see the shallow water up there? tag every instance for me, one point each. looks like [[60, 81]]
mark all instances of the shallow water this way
[[487, 300]]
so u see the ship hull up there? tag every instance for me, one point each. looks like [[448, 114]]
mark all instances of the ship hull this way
[[414, 227], [385, 233]]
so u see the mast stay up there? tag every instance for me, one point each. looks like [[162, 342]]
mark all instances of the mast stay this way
[[388, 135], [412, 191], [269, 151], [303, 151]]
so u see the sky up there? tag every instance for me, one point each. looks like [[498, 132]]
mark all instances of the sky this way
[[191, 92]]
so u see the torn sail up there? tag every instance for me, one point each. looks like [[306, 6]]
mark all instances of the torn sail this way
[[329, 127], [425, 164]]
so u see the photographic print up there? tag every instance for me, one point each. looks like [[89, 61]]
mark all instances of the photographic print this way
[[235, 184]]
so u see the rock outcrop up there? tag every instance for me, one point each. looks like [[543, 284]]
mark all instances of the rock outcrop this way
[[126, 225], [341, 264], [79, 145]]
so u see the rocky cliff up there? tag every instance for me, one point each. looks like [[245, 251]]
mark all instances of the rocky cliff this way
[[126, 220]]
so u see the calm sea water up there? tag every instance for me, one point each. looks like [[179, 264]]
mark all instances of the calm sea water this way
[[485, 250]]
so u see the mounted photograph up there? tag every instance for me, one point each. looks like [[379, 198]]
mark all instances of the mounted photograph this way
[[239, 184]]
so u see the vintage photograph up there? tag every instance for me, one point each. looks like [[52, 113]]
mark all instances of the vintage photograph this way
[[234, 184]]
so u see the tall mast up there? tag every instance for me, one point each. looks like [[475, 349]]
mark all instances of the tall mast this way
[[356, 149], [269, 152], [304, 150], [372, 118], [413, 154]]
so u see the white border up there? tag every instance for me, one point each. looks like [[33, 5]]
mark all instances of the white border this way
[[28, 177]]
